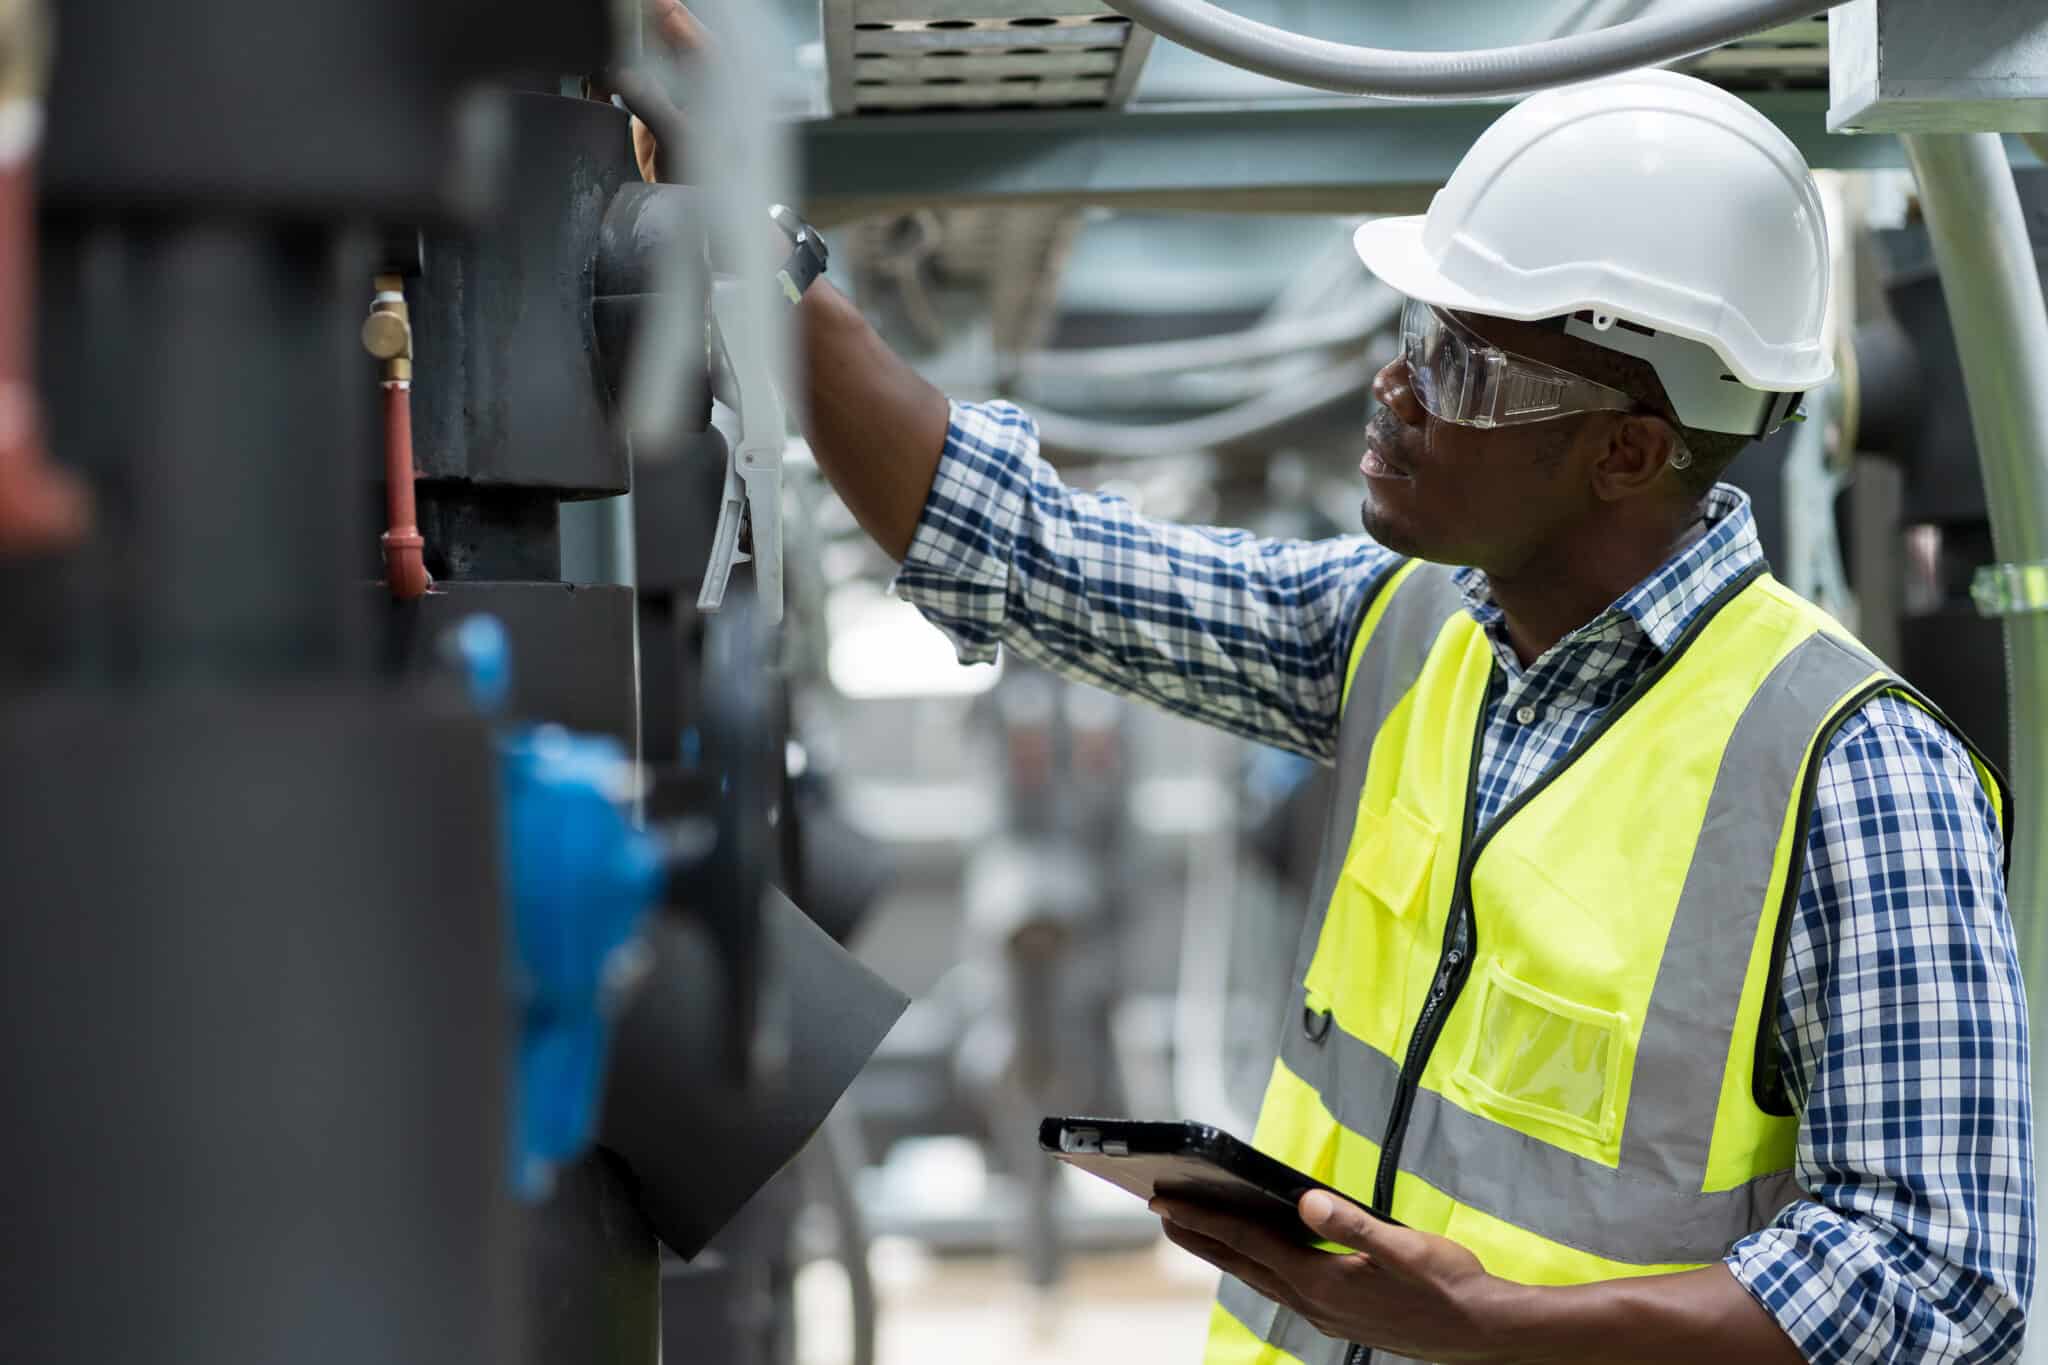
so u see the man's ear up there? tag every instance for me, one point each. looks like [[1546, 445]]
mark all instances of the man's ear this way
[[1639, 446]]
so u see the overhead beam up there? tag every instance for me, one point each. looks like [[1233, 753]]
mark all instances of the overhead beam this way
[[1324, 156]]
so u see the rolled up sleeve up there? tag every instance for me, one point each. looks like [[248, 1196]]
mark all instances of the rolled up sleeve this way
[[1246, 633]]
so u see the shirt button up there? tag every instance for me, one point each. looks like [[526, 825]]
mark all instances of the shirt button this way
[[1527, 715]]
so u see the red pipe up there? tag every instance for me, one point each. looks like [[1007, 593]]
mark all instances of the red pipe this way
[[42, 507], [405, 571], [387, 335]]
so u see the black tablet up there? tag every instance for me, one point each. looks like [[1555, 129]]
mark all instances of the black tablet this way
[[1189, 1161]]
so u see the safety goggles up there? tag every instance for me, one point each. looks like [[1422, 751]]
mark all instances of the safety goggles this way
[[1462, 377]]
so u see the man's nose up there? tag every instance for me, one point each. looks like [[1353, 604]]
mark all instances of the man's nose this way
[[1395, 388]]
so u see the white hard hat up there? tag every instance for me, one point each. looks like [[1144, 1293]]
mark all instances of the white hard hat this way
[[1679, 217]]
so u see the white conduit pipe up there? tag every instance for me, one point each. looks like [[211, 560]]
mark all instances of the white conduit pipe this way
[[1993, 287], [1649, 41], [1267, 341], [1290, 402]]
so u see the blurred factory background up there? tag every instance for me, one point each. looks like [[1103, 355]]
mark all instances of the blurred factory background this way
[[807, 923]]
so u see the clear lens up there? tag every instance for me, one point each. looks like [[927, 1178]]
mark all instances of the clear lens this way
[[1439, 365], [1458, 376]]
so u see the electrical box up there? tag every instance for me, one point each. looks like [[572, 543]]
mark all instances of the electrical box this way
[[1938, 66]]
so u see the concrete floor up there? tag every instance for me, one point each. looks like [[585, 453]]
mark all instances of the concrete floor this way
[[1150, 1306]]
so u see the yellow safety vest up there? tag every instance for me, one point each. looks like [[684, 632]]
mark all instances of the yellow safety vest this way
[[1550, 1040]]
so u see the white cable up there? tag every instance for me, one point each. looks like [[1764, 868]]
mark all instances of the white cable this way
[[1266, 341], [1649, 41], [1336, 384]]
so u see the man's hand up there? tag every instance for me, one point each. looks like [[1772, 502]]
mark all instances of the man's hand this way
[[1409, 1292], [1416, 1294]]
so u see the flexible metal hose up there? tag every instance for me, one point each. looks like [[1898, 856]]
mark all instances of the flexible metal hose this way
[[1993, 288], [1648, 41]]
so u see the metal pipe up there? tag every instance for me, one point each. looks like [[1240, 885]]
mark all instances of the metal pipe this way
[[1993, 289], [1649, 41], [387, 335]]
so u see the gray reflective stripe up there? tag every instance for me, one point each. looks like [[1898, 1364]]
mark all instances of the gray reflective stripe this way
[[1276, 1326], [1689, 1024], [1525, 1181], [1393, 660]]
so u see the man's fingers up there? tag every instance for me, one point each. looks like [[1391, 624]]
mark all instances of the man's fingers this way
[[1337, 1220], [676, 26], [1232, 1230], [1343, 1222], [1230, 1261]]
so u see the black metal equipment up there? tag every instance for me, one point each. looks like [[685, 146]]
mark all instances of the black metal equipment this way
[[255, 954], [255, 1063]]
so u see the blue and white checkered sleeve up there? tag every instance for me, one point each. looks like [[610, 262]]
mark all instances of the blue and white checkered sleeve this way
[[1244, 633], [1905, 1027]]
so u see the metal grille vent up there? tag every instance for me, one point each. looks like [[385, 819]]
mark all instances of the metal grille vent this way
[[939, 55]]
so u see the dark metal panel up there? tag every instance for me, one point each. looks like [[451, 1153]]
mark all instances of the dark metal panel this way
[[593, 1275], [488, 533], [641, 227], [734, 1304], [508, 388], [675, 516], [698, 1147], [206, 381], [251, 974], [306, 109], [1943, 482], [573, 660]]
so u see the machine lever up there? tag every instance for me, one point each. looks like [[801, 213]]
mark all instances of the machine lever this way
[[752, 497]]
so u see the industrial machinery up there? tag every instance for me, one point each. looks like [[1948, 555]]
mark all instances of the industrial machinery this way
[[417, 949], [332, 872]]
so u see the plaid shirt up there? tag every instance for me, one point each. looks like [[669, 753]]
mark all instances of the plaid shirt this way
[[1902, 1020]]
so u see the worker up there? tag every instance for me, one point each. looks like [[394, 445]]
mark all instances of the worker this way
[[1659, 981]]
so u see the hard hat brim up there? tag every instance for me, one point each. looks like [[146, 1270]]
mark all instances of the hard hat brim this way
[[1393, 249]]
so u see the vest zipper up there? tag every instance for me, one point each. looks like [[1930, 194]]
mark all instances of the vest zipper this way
[[1461, 930]]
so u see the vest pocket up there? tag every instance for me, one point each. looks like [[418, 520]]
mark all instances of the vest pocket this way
[[1390, 857], [1366, 949], [1538, 1056]]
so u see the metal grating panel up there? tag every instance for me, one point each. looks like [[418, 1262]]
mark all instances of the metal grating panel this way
[[947, 55]]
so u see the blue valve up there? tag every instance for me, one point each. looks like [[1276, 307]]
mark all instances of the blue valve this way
[[580, 879]]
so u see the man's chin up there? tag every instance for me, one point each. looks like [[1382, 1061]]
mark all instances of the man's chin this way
[[1384, 529]]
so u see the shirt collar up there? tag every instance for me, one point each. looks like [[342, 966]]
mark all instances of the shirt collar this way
[[1663, 605]]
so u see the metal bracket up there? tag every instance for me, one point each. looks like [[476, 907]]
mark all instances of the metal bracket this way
[[753, 473], [2011, 589]]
